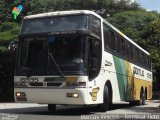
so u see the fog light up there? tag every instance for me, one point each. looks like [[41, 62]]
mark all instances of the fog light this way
[[75, 95], [18, 94]]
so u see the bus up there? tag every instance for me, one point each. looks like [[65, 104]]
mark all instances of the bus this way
[[78, 58]]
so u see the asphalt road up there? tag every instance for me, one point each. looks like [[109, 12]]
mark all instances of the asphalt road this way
[[119, 111]]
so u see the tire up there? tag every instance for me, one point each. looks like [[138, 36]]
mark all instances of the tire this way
[[51, 107], [142, 98], [105, 105], [140, 102]]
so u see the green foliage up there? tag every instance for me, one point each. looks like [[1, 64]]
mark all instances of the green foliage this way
[[3, 50], [103, 7], [8, 32]]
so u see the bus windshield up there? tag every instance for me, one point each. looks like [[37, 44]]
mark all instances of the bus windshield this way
[[68, 52], [52, 24]]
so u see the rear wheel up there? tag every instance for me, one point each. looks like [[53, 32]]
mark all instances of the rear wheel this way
[[142, 100], [105, 105], [51, 107]]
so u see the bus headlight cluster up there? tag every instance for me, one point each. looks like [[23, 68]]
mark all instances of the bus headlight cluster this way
[[18, 94], [21, 96]]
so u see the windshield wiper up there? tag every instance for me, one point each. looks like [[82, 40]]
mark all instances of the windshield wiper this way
[[58, 69]]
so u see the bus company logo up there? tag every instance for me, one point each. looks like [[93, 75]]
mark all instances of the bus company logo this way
[[138, 71], [16, 11], [94, 93], [108, 63]]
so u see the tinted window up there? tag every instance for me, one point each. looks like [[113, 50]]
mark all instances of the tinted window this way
[[95, 25], [128, 49], [94, 56], [149, 62], [106, 36], [112, 40], [140, 57], [122, 43], [120, 46], [51, 24], [131, 51]]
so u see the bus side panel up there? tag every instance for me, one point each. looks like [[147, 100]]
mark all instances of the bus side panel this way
[[110, 75], [122, 79], [130, 83], [139, 79]]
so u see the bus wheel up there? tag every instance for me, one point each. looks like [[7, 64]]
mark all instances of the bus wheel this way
[[105, 105], [51, 107], [142, 98]]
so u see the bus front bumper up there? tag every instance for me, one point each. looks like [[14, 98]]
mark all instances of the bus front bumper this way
[[76, 96]]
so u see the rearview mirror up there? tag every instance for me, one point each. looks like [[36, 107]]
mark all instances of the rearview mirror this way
[[13, 46]]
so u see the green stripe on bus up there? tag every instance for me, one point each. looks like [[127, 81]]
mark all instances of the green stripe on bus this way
[[124, 70], [120, 67]]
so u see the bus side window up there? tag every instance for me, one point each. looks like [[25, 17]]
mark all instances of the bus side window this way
[[131, 52], [134, 54], [106, 37], [149, 63], [112, 41], [128, 47], [120, 45], [138, 55]]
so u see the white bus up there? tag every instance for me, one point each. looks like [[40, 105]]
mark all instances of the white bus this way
[[78, 58]]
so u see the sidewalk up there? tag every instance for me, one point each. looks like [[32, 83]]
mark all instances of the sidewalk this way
[[19, 105]]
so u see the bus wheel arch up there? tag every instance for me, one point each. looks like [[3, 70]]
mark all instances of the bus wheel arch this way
[[107, 97], [146, 92], [142, 100], [110, 90]]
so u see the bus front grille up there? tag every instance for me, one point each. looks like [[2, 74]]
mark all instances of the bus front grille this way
[[36, 84], [46, 84], [54, 84]]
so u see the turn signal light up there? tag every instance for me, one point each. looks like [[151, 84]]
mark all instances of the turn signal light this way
[[74, 95]]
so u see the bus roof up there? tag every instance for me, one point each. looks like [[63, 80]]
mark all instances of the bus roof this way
[[61, 13], [74, 12]]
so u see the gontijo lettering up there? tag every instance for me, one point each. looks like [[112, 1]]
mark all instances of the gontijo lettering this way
[[138, 71]]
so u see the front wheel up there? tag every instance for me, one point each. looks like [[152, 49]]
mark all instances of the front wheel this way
[[51, 107], [105, 105]]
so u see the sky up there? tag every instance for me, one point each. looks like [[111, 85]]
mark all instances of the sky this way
[[150, 4]]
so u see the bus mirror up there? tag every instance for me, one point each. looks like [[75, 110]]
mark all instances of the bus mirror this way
[[13, 46]]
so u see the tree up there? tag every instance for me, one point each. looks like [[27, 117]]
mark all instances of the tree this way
[[144, 28], [103, 7], [8, 32]]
